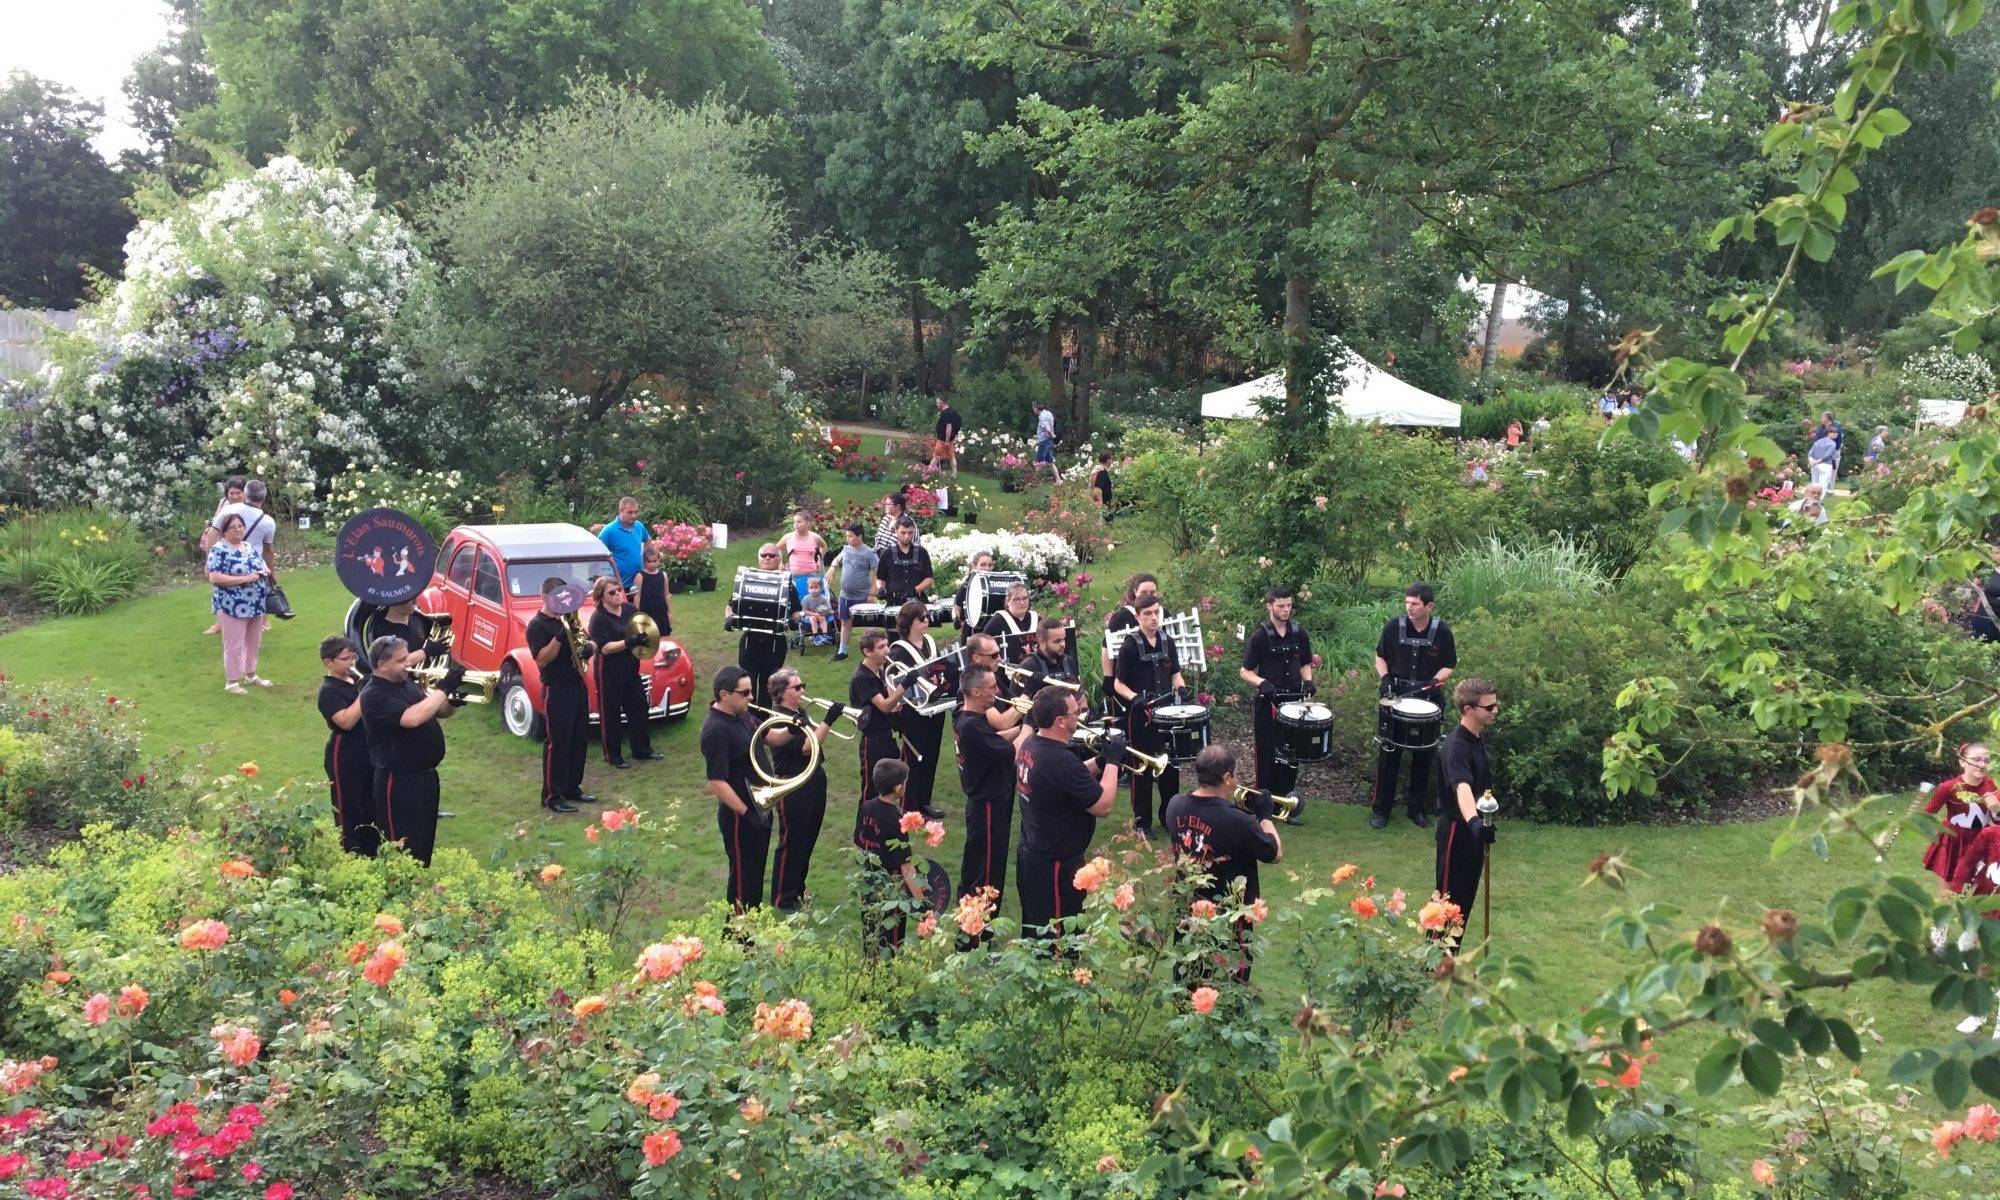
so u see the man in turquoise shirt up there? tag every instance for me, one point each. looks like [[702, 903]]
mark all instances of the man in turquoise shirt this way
[[626, 539]]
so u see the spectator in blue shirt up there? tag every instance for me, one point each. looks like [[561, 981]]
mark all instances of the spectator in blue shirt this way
[[626, 539]]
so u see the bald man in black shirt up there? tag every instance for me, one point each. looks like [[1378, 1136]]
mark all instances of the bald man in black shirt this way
[[1212, 837], [1060, 802]]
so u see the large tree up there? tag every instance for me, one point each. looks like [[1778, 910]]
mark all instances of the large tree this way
[[166, 84], [62, 208], [385, 85], [1311, 122]]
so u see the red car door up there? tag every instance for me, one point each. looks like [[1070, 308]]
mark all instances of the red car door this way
[[485, 640]]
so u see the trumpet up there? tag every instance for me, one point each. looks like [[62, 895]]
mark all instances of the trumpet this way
[[1151, 764], [1282, 807], [1021, 674], [478, 687]]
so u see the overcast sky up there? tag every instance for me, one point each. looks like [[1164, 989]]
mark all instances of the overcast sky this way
[[86, 45]]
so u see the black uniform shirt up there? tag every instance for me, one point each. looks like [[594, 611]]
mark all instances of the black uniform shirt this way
[[862, 688], [649, 592], [985, 759], [790, 758], [1416, 657], [725, 749], [1146, 668], [336, 695], [1461, 760], [1279, 657], [1055, 791], [1226, 842], [900, 573], [1042, 668], [414, 632], [881, 835], [607, 627], [390, 746], [1016, 640], [559, 671]]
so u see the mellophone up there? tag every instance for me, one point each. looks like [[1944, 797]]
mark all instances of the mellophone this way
[[920, 694]]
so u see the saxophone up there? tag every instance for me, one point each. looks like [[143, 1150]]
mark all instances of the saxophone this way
[[573, 635]]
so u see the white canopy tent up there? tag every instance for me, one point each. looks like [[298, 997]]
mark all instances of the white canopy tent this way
[[1370, 394]]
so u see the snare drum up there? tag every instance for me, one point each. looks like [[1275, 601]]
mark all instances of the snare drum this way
[[1409, 723], [1182, 730], [761, 601], [1305, 732], [939, 613], [872, 615]]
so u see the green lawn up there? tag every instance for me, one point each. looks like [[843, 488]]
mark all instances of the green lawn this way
[[151, 652]]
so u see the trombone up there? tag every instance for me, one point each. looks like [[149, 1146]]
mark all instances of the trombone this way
[[1151, 764], [1021, 674], [1282, 807]]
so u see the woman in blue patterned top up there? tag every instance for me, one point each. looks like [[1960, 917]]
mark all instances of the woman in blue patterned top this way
[[241, 582]]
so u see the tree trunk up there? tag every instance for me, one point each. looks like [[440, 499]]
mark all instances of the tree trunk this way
[[917, 340], [1086, 372], [1490, 344], [1050, 360], [1298, 288]]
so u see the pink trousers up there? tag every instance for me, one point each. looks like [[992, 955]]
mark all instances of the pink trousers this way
[[240, 639]]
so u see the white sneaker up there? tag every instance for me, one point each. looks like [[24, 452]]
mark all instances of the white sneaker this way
[[259, 680], [234, 688], [1971, 1024]]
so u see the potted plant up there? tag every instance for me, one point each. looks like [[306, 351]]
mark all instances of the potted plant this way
[[876, 469], [1011, 467], [968, 511]]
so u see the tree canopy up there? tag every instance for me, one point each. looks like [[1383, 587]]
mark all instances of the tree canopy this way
[[62, 208]]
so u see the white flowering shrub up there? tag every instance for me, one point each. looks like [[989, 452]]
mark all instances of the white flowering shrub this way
[[1941, 375], [251, 332], [1037, 555]]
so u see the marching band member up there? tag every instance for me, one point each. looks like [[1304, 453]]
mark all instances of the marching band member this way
[[565, 707], [801, 811], [879, 835], [1968, 802], [405, 744], [622, 702], [650, 591], [874, 701], [1277, 661], [903, 571], [982, 650], [726, 734], [923, 737], [1052, 658], [1015, 625], [349, 773], [1413, 657], [986, 733], [961, 601], [1213, 837], [404, 622], [1462, 834], [1147, 670], [1060, 801], [1125, 616], [759, 653]]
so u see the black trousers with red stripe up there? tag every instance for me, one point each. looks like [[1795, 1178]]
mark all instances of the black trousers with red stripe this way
[[1281, 779], [621, 712], [567, 715], [1047, 888], [800, 815], [989, 826], [1461, 857], [1139, 735], [923, 742], [351, 781], [406, 809], [748, 845]]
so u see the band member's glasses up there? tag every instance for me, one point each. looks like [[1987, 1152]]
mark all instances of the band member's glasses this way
[[1493, 707]]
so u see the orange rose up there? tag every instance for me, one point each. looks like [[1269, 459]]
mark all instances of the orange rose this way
[[207, 934], [589, 1006], [552, 872], [132, 1000], [249, 770], [1344, 872], [659, 1147], [389, 926], [1204, 999], [753, 1111], [235, 868], [1762, 1174], [1363, 906]]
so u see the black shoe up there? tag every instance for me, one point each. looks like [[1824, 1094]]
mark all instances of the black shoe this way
[[587, 798], [620, 765], [1421, 820], [1293, 818], [1377, 821], [840, 656], [932, 814], [649, 756], [559, 806], [1143, 830]]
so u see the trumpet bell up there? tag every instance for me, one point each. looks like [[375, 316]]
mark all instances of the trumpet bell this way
[[478, 688]]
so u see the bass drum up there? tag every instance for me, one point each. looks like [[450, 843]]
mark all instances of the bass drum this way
[[1183, 731], [1305, 732], [761, 601]]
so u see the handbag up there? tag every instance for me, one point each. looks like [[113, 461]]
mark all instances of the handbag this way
[[277, 604]]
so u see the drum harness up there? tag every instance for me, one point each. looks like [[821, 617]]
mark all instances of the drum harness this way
[[1409, 645]]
